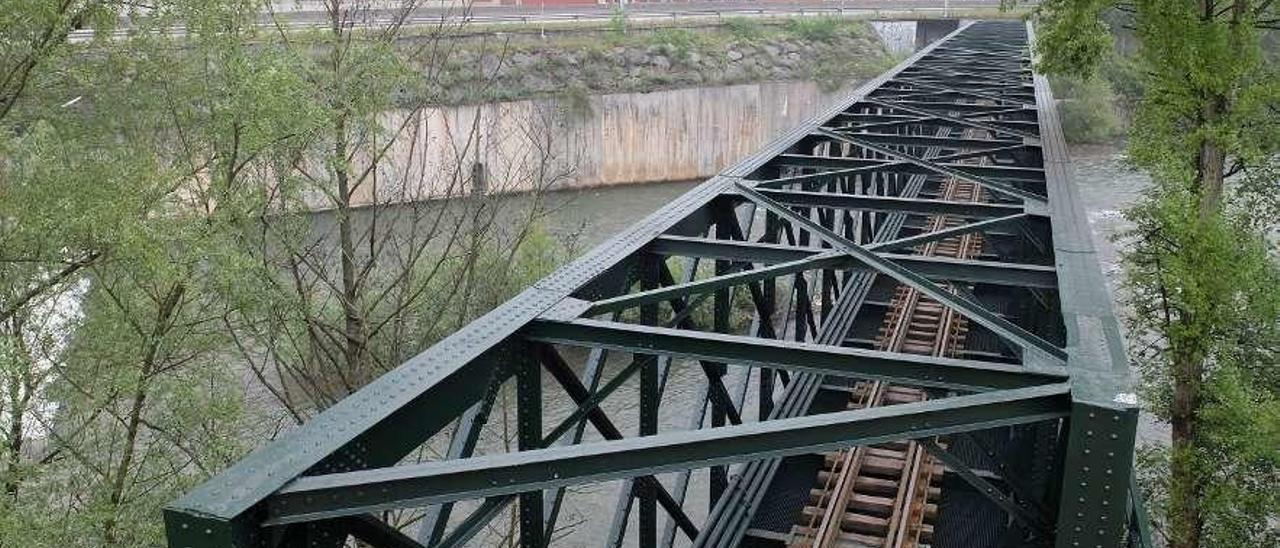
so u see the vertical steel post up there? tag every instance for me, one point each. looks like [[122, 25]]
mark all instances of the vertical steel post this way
[[770, 291], [1094, 505], [465, 436], [650, 392], [528, 438], [716, 371]]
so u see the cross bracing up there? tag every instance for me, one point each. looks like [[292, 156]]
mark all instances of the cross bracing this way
[[921, 240]]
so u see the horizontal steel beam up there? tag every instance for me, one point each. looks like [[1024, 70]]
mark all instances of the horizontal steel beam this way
[[994, 128], [788, 259], [985, 227], [816, 180], [865, 165], [980, 272], [657, 295], [891, 203], [332, 495], [929, 140], [1027, 99], [964, 172], [964, 108], [911, 369]]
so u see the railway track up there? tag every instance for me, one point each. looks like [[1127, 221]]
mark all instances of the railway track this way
[[886, 495]]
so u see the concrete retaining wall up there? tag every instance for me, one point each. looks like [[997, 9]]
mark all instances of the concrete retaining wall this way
[[592, 141]]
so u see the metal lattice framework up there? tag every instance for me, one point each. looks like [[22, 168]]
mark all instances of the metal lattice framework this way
[[808, 237]]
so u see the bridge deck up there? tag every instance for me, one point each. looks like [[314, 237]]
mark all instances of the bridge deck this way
[[910, 272]]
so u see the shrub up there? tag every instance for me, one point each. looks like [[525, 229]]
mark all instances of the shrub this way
[[1088, 109], [618, 22], [744, 29], [1125, 79], [679, 42], [815, 29]]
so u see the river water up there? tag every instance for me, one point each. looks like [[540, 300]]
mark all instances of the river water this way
[[589, 216]]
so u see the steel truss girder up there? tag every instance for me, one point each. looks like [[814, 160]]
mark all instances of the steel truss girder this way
[[957, 107], [911, 369], [344, 457], [564, 375], [352, 493], [1034, 521], [936, 268], [1001, 99]]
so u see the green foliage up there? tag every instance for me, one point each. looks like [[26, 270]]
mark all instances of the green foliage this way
[[1207, 289], [1088, 110], [1201, 276], [132, 175], [577, 102], [1188, 63], [1125, 78], [126, 157], [618, 22], [744, 29], [833, 70], [817, 29], [678, 43], [1071, 37]]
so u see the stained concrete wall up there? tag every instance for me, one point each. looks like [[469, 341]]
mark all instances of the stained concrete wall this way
[[604, 140]]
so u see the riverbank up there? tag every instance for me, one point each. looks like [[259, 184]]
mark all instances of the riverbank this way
[[621, 59]]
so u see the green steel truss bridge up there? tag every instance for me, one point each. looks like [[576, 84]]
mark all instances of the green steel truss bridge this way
[[895, 315]]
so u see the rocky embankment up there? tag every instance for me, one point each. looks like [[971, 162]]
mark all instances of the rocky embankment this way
[[830, 52]]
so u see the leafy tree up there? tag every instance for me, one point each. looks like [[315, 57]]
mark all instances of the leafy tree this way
[[1200, 274], [412, 237], [162, 268], [121, 160]]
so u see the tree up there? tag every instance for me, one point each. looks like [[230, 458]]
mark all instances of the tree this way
[[417, 235], [121, 163], [1200, 274], [414, 238], [162, 265]]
